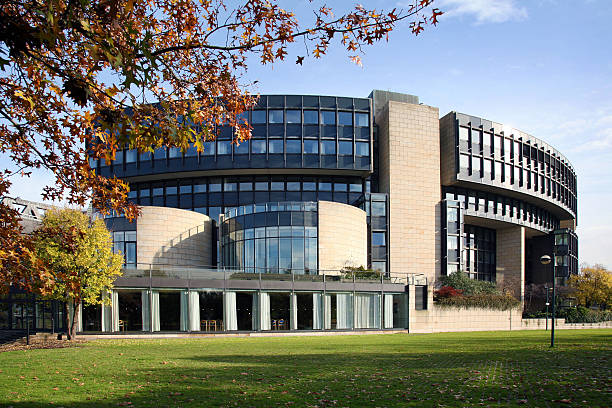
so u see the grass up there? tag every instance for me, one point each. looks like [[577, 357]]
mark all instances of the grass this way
[[457, 369]]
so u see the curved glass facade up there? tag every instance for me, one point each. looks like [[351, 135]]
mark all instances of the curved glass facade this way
[[493, 154], [289, 131], [279, 237]]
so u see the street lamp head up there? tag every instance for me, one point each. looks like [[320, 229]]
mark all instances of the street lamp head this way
[[545, 259]]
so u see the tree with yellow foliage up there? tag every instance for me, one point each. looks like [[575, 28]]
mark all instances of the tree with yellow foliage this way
[[593, 286]]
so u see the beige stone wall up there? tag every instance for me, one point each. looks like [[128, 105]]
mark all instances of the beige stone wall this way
[[439, 319], [448, 173], [343, 236], [510, 260], [171, 236], [409, 140]]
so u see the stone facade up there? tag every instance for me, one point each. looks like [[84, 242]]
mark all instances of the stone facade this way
[[409, 142], [510, 262], [170, 236], [343, 236], [448, 165]]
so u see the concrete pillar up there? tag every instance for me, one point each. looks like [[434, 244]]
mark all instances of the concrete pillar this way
[[510, 260]]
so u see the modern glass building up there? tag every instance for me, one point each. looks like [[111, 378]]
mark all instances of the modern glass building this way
[[338, 214]]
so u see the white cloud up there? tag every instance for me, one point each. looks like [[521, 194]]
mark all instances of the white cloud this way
[[484, 11]]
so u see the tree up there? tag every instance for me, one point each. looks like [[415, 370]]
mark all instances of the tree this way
[[593, 286], [81, 79], [79, 259]]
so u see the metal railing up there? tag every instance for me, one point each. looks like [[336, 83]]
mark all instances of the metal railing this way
[[151, 271]]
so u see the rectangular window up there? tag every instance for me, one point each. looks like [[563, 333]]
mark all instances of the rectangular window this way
[[309, 186], [345, 148], [294, 146], [230, 186], [159, 153], [242, 148], [311, 117], [275, 146], [294, 116], [345, 118], [325, 186], [362, 119], [311, 146], [258, 146], [362, 149], [186, 189], [174, 152], [378, 209], [209, 149], [328, 117], [378, 239], [130, 156], [245, 186], [275, 116], [199, 188], [328, 147], [464, 134], [224, 147], [258, 117]]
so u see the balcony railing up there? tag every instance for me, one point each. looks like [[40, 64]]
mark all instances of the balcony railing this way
[[151, 271]]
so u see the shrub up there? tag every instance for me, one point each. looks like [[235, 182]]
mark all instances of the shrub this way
[[582, 314], [360, 273], [483, 300], [461, 281], [446, 292]]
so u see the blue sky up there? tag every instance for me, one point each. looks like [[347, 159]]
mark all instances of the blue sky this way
[[542, 66]]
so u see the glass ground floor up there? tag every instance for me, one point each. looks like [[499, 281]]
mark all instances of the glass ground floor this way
[[20, 310], [214, 310]]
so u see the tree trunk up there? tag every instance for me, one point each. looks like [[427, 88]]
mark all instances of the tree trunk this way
[[67, 320], [71, 323], [75, 308]]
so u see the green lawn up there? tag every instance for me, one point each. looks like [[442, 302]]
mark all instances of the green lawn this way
[[458, 369]]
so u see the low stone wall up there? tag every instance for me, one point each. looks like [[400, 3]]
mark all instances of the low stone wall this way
[[540, 324], [448, 319]]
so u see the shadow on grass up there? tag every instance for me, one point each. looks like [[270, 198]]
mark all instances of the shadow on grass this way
[[433, 370]]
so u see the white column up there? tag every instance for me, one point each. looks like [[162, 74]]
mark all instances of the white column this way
[[229, 311], [264, 311], [194, 311], [293, 311]]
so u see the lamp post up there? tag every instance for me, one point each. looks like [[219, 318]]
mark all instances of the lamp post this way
[[545, 260]]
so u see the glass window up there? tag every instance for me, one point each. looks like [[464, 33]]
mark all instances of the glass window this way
[[213, 212], [158, 191], [463, 134], [464, 161], [362, 149], [242, 148], [192, 151], [246, 186], [294, 146], [230, 186], [309, 186], [378, 239], [476, 166], [199, 188], [258, 116], [294, 116], [378, 209], [186, 189], [328, 147], [345, 118], [130, 156], [275, 116], [209, 149], [275, 146], [356, 188], [293, 186], [311, 117], [118, 157], [258, 146], [214, 187], [174, 152], [340, 187], [145, 192], [345, 148], [261, 186], [159, 153], [277, 185], [224, 147], [362, 119], [311, 146], [325, 186], [328, 117]]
